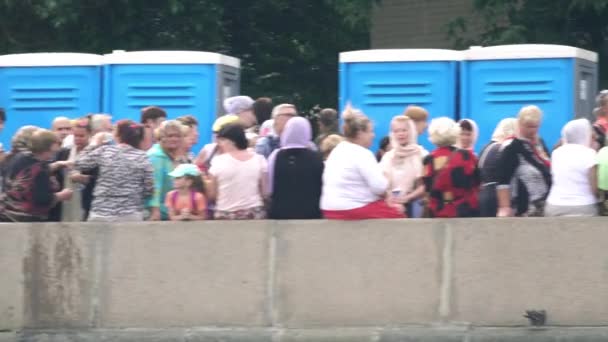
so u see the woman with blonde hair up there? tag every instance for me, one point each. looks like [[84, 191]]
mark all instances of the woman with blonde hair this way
[[354, 186], [451, 176], [402, 165], [488, 166], [523, 170]]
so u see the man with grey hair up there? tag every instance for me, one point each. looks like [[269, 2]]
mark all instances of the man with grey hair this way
[[280, 115], [101, 123]]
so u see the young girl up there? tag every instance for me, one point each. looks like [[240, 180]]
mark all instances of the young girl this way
[[186, 202]]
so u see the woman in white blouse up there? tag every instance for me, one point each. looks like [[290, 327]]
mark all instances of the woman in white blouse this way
[[574, 173], [354, 185]]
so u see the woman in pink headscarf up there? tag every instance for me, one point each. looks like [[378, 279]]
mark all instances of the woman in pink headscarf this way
[[402, 165], [468, 135], [295, 174]]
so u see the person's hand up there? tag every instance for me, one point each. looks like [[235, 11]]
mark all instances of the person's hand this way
[[64, 195], [402, 199], [186, 214], [80, 178], [98, 139], [155, 214], [68, 164], [62, 164], [504, 212]]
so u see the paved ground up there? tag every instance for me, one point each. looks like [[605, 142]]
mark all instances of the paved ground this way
[[313, 335]]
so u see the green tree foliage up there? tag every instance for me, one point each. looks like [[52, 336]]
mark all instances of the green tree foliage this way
[[288, 49], [580, 23]]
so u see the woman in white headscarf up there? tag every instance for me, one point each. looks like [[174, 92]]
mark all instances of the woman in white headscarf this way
[[402, 166], [574, 173], [468, 135], [488, 166]]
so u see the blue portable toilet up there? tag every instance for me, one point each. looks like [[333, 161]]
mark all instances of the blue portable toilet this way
[[382, 83], [497, 81], [37, 87], [181, 82]]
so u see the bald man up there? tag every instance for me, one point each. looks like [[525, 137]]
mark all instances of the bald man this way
[[62, 126]]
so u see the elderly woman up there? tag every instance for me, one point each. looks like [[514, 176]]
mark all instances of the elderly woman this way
[[295, 174], [163, 157], [451, 176], [125, 174], [29, 191], [468, 135], [402, 165], [354, 187], [574, 171], [238, 177], [524, 176], [19, 143], [488, 166]]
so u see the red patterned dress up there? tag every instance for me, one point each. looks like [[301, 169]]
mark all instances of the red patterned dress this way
[[451, 179]]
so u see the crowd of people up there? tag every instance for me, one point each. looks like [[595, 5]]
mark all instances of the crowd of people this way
[[264, 162]]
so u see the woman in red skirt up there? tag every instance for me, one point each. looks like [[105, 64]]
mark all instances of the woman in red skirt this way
[[353, 183]]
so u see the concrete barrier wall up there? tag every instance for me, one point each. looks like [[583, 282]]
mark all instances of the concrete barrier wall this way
[[315, 275]]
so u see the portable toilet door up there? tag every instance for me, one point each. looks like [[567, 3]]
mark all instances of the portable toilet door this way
[[382, 83], [496, 82], [180, 82], [35, 88]]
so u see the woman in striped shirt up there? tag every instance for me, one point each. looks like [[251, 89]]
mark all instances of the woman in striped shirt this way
[[125, 175]]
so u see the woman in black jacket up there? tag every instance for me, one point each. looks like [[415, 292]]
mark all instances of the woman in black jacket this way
[[295, 174]]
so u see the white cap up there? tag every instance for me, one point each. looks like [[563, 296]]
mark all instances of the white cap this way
[[400, 55], [528, 51], [50, 59], [170, 57]]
